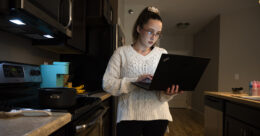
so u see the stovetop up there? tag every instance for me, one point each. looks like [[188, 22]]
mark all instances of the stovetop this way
[[19, 85]]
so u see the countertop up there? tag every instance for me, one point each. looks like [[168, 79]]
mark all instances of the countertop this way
[[33, 126], [38, 126], [234, 97], [102, 95]]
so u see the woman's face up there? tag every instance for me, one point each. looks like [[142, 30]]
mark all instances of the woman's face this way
[[150, 32]]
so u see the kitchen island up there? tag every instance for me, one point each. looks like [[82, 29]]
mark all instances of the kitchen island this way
[[228, 114]]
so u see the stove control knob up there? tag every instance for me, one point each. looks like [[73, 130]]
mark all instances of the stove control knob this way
[[35, 72]]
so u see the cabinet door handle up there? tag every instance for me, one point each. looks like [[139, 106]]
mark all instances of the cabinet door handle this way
[[241, 132], [70, 14], [97, 119], [245, 132]]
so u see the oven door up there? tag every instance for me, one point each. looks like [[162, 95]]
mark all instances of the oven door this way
[[91, 124]]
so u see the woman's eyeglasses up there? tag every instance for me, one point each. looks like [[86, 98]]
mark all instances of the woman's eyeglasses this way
[[152, 33]]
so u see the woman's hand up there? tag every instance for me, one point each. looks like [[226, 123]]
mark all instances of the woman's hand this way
[[144, 77], [173, 90]]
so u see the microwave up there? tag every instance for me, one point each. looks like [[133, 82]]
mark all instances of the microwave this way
[[55, 25], [37, 19]]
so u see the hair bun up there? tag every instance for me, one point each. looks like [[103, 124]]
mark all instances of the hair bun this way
[[153, 9]]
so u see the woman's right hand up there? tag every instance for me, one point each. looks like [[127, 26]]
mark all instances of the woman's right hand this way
[[144, 77]]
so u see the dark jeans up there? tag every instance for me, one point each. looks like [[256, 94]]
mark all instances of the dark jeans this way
[[144, 128]]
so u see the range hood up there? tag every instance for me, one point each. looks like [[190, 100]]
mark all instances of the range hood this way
[[25, 18]]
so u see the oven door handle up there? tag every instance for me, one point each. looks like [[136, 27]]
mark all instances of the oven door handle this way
[[82, 127]]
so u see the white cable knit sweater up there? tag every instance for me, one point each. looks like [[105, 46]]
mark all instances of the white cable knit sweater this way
[[135, 103]]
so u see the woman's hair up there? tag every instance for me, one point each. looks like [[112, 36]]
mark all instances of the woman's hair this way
[[143, 18]]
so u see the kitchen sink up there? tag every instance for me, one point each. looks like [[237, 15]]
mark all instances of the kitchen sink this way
[[257, 98]]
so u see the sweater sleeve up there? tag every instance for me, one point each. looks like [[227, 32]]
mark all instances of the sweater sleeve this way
[[112, 83]]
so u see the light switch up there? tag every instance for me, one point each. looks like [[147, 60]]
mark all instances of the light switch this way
[[236, 76]]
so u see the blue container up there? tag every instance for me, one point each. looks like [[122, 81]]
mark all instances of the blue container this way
[[53, 75]]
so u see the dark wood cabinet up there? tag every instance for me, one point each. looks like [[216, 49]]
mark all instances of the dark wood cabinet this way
[[242, 112], [234, 127], [241, 120], [98, 12], [107, 118], [238, 119], [213, 116]]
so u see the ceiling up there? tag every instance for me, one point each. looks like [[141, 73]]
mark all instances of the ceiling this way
[[197, 12]]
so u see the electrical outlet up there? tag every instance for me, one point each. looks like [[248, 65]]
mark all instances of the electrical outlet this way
[[236, 76]]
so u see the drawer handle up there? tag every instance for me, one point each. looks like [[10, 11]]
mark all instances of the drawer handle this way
[[243, 132]]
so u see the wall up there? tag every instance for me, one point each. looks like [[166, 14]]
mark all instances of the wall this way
[[178, 43], [121, 13], [232, 41], [206, 44], [239, 48], [14, 48]]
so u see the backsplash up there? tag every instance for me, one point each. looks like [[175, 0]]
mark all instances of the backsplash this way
[[18, 49]]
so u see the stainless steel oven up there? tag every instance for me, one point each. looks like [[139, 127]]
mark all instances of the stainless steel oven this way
[[95, 122], [19, 85], [92, 124]]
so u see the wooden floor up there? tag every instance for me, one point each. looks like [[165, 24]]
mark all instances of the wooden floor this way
[[186, 123]]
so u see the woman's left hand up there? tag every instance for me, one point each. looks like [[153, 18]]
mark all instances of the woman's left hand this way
[[173, 90]]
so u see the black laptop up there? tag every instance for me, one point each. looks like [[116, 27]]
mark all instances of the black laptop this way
[[184, 71]]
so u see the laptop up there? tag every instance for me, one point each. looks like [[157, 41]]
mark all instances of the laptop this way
[[184, 71]]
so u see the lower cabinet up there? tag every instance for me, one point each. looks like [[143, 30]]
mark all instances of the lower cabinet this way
[[235, 127], [213, 116], [107, 118], [231, 118], [241, 120]]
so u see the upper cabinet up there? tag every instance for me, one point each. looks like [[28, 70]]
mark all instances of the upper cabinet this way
[[99, 12], [60, 26]]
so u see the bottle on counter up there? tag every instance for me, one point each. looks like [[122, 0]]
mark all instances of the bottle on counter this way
[[250, 88], [254, 88], [258, 88]]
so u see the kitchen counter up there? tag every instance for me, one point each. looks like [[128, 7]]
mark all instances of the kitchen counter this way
[[231, 114], [102, 95], [39, 126], [234, 97], [33, 126]]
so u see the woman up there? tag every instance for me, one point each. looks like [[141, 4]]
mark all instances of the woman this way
[[140, 112]]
